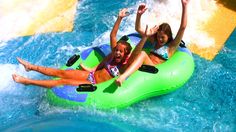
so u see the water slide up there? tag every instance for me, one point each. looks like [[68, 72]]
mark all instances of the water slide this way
[[219, 26], [29, 17]]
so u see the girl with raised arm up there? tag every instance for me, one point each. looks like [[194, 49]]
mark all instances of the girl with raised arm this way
[[161, 37], [110, 67]]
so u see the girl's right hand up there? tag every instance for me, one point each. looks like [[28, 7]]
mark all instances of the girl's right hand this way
[[142, 8], [123, 13]]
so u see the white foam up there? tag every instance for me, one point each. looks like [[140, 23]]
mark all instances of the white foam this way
[[6, 81], [126, 27], [170, 11], [2, 44], [198, 14]]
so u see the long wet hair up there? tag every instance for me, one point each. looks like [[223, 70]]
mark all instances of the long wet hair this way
[[165, 27]]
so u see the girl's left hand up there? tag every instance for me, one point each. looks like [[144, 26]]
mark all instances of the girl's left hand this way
[[123, 13], [151, 31]]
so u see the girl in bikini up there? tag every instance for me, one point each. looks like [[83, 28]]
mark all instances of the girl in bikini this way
[[161, 38], [112, 65]]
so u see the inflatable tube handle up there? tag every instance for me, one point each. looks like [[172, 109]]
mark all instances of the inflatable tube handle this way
[[149, 69], [182, 44], [72, 60], [86, 88]]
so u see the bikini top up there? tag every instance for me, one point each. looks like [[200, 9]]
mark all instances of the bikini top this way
[[114, 70], [162, 51]]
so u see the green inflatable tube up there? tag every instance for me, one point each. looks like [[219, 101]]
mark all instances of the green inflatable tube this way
[[143, 84]]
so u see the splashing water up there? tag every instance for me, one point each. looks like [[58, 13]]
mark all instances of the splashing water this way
[[205, 103], [169, 11]]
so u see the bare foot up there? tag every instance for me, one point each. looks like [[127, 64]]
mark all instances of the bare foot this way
[[20, 79], [26, 64]]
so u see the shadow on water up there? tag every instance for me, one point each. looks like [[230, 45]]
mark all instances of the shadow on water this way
[[230, 4]]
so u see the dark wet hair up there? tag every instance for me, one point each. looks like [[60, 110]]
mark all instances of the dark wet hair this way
[[127, 45], [165, 27], [124, 38]]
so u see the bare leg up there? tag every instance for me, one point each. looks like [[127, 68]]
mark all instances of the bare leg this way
[[67, 74], [47, 83], [142, 58], [26, 64], [137, 50]]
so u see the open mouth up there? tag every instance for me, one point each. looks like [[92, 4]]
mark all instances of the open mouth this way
[[118, 58]]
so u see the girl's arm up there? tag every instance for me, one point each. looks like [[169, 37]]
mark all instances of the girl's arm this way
[[133, 62], [123, 13], [104, 61], [99, 66], [141, 9], [138, 48], [175, 43]]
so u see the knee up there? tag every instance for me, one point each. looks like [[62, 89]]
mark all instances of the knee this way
[[61, 73]]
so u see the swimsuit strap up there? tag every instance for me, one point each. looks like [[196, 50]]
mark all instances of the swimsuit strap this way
[[162, 51]]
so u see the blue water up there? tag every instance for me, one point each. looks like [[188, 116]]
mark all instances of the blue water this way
[[207, 102]]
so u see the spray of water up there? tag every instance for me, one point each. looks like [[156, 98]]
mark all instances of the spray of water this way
[[170, 11], [159, 11]]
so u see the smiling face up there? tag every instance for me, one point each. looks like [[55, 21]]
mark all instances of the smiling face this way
[[164, 34], [162, 38], [119, 53]]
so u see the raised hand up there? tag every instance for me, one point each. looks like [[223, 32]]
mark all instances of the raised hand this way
[[185, 2], [151, 31], [142, 8], [123, 13]]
